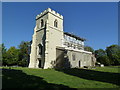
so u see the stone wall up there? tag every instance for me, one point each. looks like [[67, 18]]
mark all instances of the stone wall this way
[[73, 59]]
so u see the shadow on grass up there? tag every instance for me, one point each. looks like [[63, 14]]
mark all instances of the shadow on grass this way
[[93, 75], [18, 79]]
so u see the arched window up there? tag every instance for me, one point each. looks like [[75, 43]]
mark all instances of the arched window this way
[[40, 49], [42, 22], [73, 57], [55, 23]]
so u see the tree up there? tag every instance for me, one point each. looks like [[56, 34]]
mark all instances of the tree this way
[[102, 57], [12, 56], [88, 48], [24, 48], [3, 55], [113, 52]]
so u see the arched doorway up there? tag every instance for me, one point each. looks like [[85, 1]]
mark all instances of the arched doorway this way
[[39, 55]]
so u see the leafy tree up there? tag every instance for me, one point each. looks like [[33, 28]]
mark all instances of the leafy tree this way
[[0, 54], [24, 48], [113, 53], [3, 55], [102, 57], [88, 48], [99, 53], [12, 56]]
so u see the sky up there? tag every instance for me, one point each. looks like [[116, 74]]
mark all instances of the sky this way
[[97, 22]]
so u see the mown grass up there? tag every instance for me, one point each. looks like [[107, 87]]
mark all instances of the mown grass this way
[[101, 77]]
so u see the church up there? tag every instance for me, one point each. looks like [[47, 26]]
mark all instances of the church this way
[[53, 48]]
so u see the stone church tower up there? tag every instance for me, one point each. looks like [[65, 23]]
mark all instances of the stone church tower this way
[[48, 34]]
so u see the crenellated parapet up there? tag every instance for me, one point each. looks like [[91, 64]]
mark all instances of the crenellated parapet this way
[[49, 11]]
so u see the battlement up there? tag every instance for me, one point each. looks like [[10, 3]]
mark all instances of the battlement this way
[[50, 11]]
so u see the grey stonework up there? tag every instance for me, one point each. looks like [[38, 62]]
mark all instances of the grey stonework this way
[[73, 59]]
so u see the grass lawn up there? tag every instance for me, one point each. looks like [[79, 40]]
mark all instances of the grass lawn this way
[[101, 77]]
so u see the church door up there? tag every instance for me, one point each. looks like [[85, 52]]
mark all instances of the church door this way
[[39, 63], [79, 64]]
